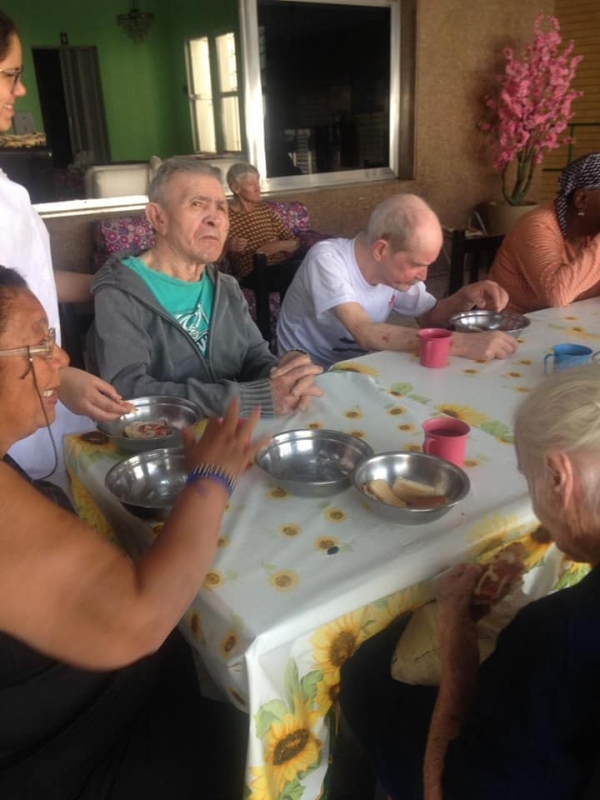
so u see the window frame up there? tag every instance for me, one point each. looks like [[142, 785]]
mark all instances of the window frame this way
[[217, 94], [402, 82]]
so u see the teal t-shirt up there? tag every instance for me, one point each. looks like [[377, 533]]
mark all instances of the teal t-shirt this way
[[191, 304]]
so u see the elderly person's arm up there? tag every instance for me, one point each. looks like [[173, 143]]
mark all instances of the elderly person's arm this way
[[370, 335], [460, 668], [556, 273], [285, 241], [75, 597]]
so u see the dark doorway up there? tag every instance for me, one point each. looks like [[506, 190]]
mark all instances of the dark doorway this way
[[72, 105]]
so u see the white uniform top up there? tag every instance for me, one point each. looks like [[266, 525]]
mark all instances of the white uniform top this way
[[25, 247], [328, 277]]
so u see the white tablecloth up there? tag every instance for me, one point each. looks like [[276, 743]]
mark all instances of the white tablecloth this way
[[299, 583]]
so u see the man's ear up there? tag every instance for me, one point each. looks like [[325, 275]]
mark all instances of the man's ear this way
[[155, 216], [561, 469], [378, 249]]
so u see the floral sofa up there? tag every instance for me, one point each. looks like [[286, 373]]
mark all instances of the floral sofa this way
[[135, 235]]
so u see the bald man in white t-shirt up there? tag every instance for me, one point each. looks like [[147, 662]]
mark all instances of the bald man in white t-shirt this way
[[341, 297]]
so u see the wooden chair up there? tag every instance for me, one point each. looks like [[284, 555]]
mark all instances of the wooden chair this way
[[475, 251], [265, 280]]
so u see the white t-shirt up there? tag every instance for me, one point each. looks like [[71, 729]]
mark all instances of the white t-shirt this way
[[328, 277], [25, 247]]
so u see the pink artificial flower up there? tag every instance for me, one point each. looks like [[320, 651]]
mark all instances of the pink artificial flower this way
[[532, 106]]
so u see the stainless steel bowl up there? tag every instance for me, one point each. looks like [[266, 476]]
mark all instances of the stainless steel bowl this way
[[479, 320], [176, 411], [446, 478], [313, 463], [148, 483]]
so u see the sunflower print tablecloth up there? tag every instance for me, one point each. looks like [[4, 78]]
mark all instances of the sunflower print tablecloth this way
[[298, 583]]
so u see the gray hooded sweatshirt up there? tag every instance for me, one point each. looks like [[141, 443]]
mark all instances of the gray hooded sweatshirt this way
[[138, 347]]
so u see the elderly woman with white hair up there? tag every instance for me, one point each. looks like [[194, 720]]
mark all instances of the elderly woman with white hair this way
[[253, 225], [525, 723]]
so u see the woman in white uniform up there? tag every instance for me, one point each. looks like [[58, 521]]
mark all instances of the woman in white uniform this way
[[25, 246]]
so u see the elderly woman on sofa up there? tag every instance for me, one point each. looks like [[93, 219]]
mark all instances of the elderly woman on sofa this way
[[253, 226], [94, 706], [525, 724], [551, 257]]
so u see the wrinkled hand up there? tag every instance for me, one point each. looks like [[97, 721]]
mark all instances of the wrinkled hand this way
[[226, 442], [292, 383], [483, 346], [455, 600], [237, 244], [86, 394], [484, 294]]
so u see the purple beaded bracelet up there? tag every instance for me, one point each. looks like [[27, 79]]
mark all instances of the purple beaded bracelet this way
[[212, 472]]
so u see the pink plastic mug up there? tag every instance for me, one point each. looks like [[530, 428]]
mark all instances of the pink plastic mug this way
[[446, 438], [434, 347]]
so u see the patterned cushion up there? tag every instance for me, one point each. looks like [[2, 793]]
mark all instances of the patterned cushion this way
[[293, 214], [111, 236]]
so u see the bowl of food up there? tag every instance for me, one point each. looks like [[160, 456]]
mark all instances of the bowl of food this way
[[410, 488], [479, 320], [155, 423], [148, 483], [312, 463]]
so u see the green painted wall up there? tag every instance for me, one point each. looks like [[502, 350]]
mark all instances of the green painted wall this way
[[143, 84]]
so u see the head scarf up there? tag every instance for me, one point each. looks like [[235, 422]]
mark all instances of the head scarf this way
[[584, 173]]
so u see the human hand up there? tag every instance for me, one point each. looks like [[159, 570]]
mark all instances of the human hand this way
[[226, 442], [87, 394], [237, 244], [483, 346], [292, 383], [484, 294]]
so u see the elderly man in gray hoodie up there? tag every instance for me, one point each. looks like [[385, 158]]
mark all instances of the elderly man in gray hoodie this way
[[169, 323]]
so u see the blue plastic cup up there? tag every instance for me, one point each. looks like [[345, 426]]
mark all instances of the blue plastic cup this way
[[564, 356]]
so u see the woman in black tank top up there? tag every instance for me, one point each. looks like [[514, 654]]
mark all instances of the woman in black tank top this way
[[98, 697]]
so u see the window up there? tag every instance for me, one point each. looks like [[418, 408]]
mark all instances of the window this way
[[325, 84], [211, 61]]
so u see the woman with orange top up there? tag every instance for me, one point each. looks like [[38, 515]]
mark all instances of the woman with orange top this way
[[551, 257], [253, 225]]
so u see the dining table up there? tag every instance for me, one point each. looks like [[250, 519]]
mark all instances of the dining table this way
[[298, 583]]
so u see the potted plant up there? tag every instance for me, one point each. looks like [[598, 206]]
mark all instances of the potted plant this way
[[528, 113]]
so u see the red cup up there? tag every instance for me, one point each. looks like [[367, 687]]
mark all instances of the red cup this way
[[446, 438], [434, 347]]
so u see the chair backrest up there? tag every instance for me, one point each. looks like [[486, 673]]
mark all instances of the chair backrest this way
[[266, 280], [132, 234], [477, 250]]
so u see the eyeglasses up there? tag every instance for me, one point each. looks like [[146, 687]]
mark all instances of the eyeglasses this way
[[45, 349], [15, 74]]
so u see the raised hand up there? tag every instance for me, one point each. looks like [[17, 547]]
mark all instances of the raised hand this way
[[226, 442]]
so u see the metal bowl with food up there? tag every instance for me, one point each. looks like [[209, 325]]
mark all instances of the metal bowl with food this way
[[479, 320], [313, 463], [148, 483], [156, 423], [410, 488]]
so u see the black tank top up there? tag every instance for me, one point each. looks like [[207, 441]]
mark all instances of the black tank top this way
[[58, 722]]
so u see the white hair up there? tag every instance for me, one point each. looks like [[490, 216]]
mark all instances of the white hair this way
[[397, 219], [563, 415], [174, 166]]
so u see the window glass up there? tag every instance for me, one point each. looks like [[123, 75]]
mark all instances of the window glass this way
[[230, 119], [326, 74], [227, 63], [213, 94], [328, 90]]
